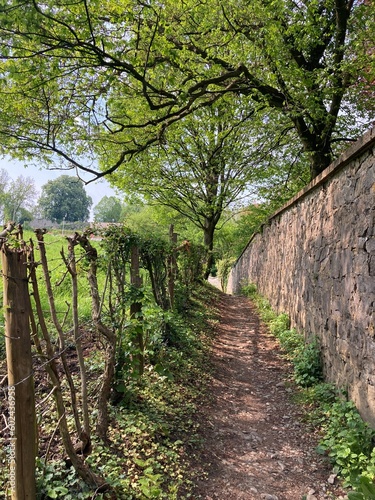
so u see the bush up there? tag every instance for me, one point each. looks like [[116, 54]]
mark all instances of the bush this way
[[307, 363], [279, 324], [249, 290], [348, 440], [292, 342]]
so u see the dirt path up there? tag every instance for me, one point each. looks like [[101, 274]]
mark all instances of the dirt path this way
[[256, 445]]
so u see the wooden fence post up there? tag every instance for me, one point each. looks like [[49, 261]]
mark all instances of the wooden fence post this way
[[22, 422]]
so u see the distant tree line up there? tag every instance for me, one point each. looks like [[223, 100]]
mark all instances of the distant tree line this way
[[63, 200]]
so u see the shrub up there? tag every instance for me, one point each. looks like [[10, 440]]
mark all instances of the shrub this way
[[307, 364], [348, 440], [249, 289]]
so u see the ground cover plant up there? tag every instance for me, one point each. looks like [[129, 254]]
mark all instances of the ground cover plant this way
[[152, 426], [141, 452], [346, 439]]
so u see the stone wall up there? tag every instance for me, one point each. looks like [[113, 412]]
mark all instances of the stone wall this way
[[315, 260]]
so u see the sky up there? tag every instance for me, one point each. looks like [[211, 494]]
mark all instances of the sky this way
[[97, 190]]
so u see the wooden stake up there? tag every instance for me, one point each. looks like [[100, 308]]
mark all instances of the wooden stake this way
[[20, 380], [172, 262]]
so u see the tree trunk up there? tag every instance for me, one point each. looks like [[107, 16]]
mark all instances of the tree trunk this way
[[135, 312], [209, 231], [72, 268], [109, 335], [316, 144], [319, 161], [22, 421]]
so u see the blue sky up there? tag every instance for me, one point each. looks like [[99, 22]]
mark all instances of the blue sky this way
[[41, 176]]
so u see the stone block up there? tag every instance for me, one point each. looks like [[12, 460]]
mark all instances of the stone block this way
[[369, 245]]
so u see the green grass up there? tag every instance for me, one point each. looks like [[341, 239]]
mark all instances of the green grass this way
[[61, 281]]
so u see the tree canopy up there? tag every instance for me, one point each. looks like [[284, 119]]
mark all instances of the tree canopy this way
[[108, 209], [205, 164], [79, 79], [17, 197], [65, 199]]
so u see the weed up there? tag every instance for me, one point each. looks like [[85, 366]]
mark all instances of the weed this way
[[307, 364], [347, 440], [365, 490], [249, 289]]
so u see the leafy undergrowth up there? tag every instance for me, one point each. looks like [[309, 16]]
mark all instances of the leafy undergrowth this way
[[345, 439], [153, 430]]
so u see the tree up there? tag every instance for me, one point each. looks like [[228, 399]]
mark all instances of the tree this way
[[108, 209], [82, 78], [203, 166], [65, 199], [17, 197], [4, 180]]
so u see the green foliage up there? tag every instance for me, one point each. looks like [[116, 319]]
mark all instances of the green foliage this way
[[365, 490], [317, 398], [17, 198], [65, 199], [248, 222], [306, 62], [208, 163], [55, 480], [348, 441], [152, 422], [292, 342], [279, 324], [249, 290], [307, 364], [224, 267], [109, 209]]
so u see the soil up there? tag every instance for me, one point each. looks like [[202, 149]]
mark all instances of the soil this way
[[256, 443]]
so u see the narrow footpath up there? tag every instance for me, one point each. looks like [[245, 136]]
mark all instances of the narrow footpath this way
[[256, 443]]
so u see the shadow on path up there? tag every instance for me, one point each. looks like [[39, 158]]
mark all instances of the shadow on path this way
[[255, 445]]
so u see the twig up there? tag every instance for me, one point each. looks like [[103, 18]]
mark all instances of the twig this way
[[50, 441], [45, 399]]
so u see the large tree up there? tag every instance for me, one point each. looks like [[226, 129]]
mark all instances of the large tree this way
[[82, 77], [204, 164], [108, 209], [17, 197], [65, 199]]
